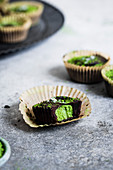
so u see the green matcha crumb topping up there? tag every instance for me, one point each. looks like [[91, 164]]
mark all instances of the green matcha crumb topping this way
[[24, 8], [1, 149], [86, 61], [109, 74], [43, 104], [10, 23], [55, 100], [64, 112]]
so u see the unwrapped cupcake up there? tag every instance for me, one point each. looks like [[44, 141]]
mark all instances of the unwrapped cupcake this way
[[53, 105]]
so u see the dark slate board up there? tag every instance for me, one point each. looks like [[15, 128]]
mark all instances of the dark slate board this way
[[51, 21]]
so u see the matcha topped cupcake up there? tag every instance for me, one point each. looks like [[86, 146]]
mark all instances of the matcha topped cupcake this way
[[57, 109], [85, 66], [14, 28], [53, 105], [107, 74], [31, 9]]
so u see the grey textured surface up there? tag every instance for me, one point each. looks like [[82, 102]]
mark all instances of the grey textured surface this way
[[86, 144]]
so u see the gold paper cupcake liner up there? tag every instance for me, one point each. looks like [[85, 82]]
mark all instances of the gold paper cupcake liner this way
[[34, 16], [3, 2], [11, 34], [41, 93], [84, 74], [108, 82]]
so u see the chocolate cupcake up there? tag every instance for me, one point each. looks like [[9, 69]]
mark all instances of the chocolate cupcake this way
[[85, 66], [107, 74], [57, 109], [31, 9], [53, 105], [14, 28]]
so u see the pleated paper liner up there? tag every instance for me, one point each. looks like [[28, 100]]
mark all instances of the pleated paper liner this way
[[85, 74], [34, 15], [108, 82], [3, 11], [12, 34], [41, 93], [3, 2]]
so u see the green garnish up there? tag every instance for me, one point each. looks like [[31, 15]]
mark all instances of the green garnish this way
[[1, 149], [86, 61], [10, 23], [109, 74], [24, 8], [53, 100]]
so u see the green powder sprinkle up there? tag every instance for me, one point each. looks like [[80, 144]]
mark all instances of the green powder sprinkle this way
[[56, 100], [86, 61], [109, 74], [24, 8], [9, 24]]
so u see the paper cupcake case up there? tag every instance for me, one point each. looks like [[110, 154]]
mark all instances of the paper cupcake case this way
[[108, 82], [16, 33], [34, 16], [38, 94], [4, 2], [84, 74]]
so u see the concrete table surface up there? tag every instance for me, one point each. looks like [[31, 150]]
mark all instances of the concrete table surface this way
[[86, 144]]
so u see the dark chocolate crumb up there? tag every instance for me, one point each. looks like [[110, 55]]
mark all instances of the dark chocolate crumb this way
[[104, 124], [6, 106]]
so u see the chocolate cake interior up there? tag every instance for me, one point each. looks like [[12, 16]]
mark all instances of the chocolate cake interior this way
[[57, 109]]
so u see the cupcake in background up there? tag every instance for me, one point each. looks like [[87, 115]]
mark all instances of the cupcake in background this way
[[31, 9], [107, 74], [14, 28], [85, 66]]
